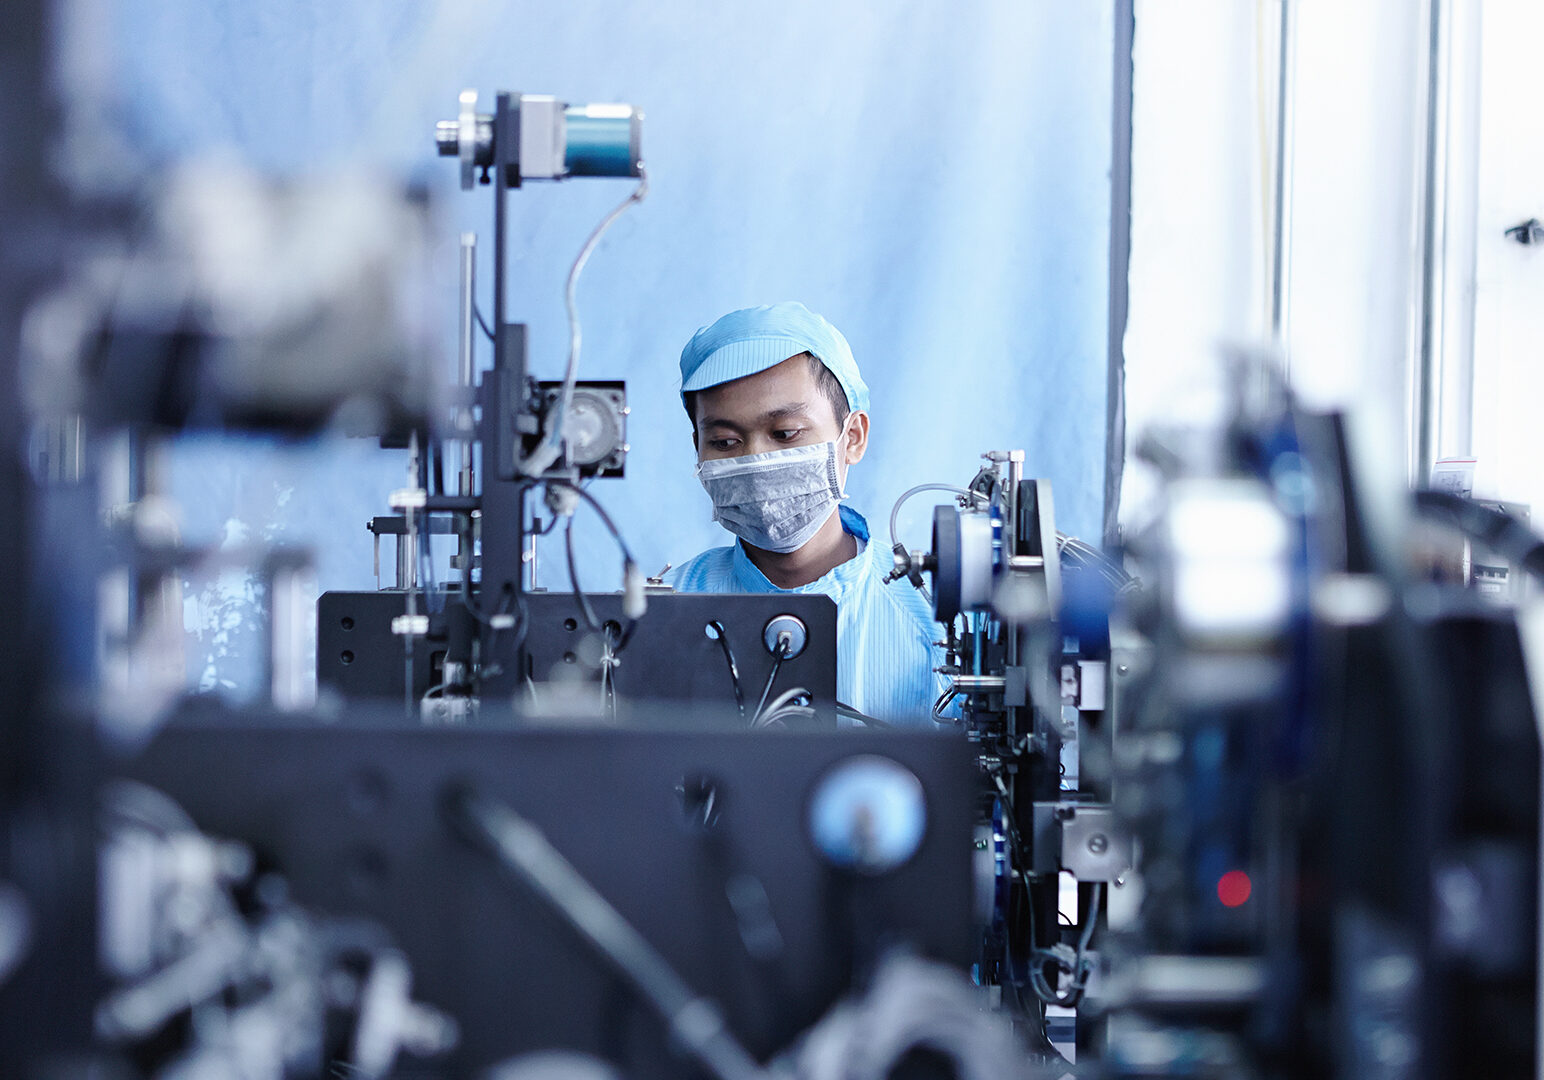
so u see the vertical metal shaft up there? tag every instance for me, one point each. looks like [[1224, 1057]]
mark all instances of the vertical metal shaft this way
[[466, 376], [468, 281], [499, 211], [408, 542], [1015, 479], [407, 561], [1012, 546], [1281, 223], [1426, 405], [465, 367], [1120, 268]]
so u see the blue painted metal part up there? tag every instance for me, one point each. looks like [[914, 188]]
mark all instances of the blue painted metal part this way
[[602, 141]]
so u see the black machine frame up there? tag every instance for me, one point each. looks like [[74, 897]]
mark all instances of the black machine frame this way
[[670, 657], [358, 823]]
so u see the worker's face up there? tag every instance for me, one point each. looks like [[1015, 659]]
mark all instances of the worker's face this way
[[774, 409]]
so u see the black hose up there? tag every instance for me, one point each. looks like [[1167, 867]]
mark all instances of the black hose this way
[[777, 662], [734, 669], [573, 578]]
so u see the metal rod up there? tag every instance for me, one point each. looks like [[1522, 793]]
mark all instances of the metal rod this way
[[979, 684], [500, 195], [466, 369], [407, 559], [1281, 217], [1424, 418], [410, 540], [468, 317], [1120, 268], [467, 375]]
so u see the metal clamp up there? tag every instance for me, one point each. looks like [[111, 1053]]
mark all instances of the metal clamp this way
[[1093, 846]]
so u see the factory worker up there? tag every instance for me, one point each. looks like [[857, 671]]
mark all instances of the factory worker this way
[[779, 414]]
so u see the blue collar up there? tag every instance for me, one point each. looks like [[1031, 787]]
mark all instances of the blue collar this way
[[833, 583]]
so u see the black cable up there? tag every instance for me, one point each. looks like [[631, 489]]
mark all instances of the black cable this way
[[466, 571], [605, 518], [481, 321], [1078, 969], [943, 703], [777, 662], [734, 669], [1010, 817], [573, 579], [843, 709], [522, 619], [522, 624], [1085, 556], [629, 564]]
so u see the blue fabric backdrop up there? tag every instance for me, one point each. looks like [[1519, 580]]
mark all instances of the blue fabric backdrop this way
[[933, 177]]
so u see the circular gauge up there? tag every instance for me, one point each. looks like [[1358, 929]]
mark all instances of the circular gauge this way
[[868, 814]]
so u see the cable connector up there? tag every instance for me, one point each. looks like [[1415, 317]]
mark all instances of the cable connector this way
[[562, 499]]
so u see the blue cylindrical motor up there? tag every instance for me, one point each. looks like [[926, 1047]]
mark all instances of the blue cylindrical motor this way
[[603, 140]]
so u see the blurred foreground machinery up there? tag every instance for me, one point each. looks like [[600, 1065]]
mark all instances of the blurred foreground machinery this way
[[1293, 774], [1331, 767]]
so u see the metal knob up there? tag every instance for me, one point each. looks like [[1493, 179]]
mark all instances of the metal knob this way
[[798, 635], [868, 814]]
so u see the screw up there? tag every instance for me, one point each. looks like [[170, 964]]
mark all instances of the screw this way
[[1099, 843], [1121, 669]]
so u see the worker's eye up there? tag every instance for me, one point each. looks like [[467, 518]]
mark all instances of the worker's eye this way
[[787, 434], [722, 445]]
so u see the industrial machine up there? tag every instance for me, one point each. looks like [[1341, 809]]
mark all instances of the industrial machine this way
[[1331, 766], [1257, 797], [241, 899], [1308, 759], [1026, 617]]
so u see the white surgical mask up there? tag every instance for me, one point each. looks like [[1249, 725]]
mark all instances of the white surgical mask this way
[[778, 500]]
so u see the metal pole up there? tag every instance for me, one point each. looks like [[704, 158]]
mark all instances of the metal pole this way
[[466, 373], [1120, 269], [465, 367], [1281, 224], [1425, 418]]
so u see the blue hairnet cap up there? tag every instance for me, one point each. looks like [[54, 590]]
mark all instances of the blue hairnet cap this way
[[754, 339]]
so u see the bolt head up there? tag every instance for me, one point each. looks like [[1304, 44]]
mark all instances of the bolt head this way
[[1098, 843]]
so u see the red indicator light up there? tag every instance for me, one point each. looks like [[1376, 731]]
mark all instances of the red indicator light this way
[[1233, 888]]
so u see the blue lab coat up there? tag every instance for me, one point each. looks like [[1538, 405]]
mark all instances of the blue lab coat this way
[[885, 654]]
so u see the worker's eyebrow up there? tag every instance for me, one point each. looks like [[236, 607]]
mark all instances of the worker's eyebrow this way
[[792, 409], [789, 410]]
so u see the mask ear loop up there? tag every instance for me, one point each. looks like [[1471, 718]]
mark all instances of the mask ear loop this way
[[838, 481]]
